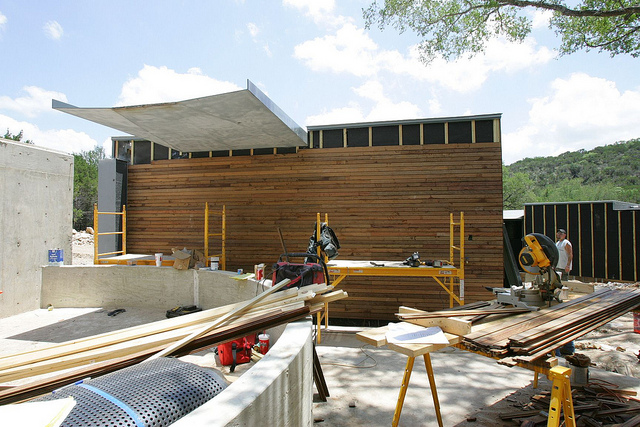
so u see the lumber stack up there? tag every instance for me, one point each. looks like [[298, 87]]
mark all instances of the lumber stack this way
[[527, 337], [59, 364]]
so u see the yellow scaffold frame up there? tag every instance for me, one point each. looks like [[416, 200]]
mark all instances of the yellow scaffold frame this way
[[445, 275], [222, 234]]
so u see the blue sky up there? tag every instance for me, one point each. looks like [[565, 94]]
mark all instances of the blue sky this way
[[313, 58]]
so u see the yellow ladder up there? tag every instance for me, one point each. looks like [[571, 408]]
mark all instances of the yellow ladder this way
[[222, 234], [97, 234]]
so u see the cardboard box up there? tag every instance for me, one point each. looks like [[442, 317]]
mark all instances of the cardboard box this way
[[182, 259]]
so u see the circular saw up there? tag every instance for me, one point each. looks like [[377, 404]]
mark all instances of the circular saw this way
[[539, 257]]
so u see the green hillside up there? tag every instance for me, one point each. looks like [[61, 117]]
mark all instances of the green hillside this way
[[611, 172]]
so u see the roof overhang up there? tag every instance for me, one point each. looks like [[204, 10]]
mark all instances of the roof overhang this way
[[242, 119]]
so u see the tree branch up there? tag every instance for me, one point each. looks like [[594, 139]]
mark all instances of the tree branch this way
[[565, 11]]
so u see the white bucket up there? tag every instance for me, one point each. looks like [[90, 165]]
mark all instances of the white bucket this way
[[215, 263], [159, 259]]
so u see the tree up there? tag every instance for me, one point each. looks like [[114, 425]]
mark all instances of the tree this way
[[85, 186], [17, 137], [452, 28], [517, 189]]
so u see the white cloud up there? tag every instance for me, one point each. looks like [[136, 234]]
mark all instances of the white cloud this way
[[581, 112], [320, 11], [540, 18], [66, 140], [53, 30], [161, 84], [253, 29], [37, 101], [316, 9], [3, 21], [352, 51], [381, 108], [349, 114]]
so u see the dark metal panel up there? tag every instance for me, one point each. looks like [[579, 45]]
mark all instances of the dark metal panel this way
[[627, 245], [562, 214], [459, 132], [550, 221], [199, 154], [222, 153], [613, 243], [411, 135], [433, 133], [599, 240], [358, 137], [484, 131], [237, 153], [141, 152], [332, 138], [160, 152], [383, 135], [586, 257], [262, 151], [286, 150], [538, 219], [528, 219]]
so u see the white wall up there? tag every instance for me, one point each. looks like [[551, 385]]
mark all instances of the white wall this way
[[36, 214]]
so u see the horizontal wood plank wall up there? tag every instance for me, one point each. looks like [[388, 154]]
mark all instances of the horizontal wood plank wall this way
[[384, 203]]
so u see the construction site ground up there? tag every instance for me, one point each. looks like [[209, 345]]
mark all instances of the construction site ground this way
[[364, 382]]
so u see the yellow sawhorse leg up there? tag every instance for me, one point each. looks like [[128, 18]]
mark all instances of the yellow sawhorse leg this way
[[405, 384], [561, 397]]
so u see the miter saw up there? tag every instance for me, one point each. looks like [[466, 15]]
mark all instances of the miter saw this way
[[538, 257]]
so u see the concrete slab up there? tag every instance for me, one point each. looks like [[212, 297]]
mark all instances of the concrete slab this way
[[241, 119], [468, 385]]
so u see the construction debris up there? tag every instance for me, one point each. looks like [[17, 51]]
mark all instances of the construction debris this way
[[597, 404]]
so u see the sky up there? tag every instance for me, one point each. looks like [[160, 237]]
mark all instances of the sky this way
[[314, 58]]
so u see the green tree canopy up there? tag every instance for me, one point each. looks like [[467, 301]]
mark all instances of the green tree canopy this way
[[18, 137], [85, 186], [452, 28], [610, 172]]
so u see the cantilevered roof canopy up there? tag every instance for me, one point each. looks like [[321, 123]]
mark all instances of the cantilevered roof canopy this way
[[230, 121]]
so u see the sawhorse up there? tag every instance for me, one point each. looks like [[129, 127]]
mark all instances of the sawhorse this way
[[405, 384]]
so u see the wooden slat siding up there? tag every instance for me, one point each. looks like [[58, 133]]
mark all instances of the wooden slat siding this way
[[383, 202]]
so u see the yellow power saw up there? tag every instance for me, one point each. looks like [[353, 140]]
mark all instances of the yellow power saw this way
[[538, 257]]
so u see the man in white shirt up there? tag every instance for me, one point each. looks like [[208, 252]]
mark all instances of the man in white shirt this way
[[565, 263], [565, 250]]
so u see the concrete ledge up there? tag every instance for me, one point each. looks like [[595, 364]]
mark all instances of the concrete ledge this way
[[276, 391], [141, 286]]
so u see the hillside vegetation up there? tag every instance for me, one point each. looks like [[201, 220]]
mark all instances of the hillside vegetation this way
[[611, 172]]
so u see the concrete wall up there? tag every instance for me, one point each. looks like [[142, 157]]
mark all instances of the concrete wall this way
[[277, 391], [141, 286], [36, 214]]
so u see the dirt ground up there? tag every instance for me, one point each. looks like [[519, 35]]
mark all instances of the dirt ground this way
[[613, 347]]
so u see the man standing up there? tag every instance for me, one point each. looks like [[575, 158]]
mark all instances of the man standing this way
[[565, 263], [565, 250]]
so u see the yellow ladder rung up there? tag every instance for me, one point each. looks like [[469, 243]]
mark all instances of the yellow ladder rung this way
[[110, 253]]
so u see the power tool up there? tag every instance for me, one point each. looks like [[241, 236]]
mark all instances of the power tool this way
[[538, 257]]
